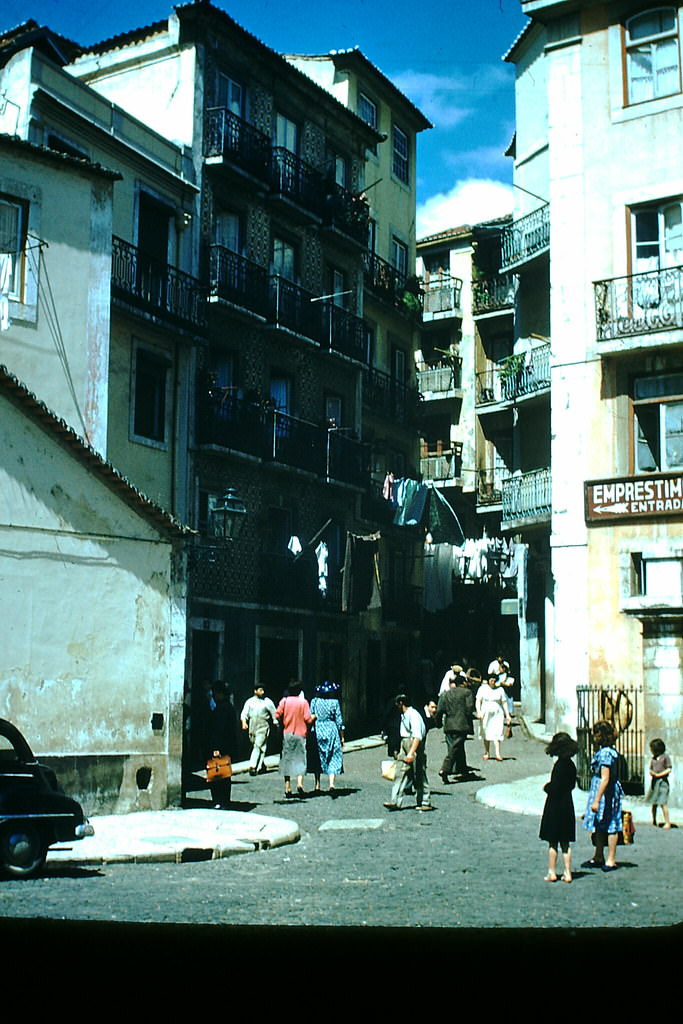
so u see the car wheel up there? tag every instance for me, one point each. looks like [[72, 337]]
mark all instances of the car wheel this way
[[22, 849]]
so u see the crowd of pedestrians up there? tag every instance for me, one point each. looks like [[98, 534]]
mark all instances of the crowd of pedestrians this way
[[312, 742]]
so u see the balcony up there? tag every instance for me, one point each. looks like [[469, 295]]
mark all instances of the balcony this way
[[157, 288], [490, 487], [527, 498], [440, 381], [639, 304], [442, 296], [525, 238], [519, 375], [347, 214], [494, 294], [442, 467], [297, 183], [235, 144], [391, 286], [387, 398], [346, 332], [237, 280], [292, 308], [259, 430]]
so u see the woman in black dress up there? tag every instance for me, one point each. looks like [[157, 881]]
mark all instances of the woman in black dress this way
[[558, 824]]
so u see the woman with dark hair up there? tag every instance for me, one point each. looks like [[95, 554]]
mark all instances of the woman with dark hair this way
[[329, 733], [558, 824], [294, 713], [603, 811]]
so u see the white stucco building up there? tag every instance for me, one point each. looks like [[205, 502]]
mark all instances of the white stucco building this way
[[598, 156]]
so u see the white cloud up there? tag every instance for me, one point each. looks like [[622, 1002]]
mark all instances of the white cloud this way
[[447, 100], [468, 202]]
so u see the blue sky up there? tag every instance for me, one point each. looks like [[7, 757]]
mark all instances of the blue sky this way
[[446, 58]]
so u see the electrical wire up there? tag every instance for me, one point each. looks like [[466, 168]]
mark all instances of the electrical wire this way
[[46, 299]]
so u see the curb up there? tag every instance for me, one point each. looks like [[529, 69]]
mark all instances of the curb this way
[[178, 836]]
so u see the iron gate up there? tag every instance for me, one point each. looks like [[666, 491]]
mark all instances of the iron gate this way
[[623, 708]]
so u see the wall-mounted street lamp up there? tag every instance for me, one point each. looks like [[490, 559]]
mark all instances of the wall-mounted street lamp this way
[[226, 518]]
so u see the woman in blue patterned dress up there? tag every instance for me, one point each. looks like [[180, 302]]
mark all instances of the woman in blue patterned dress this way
[[329, 733], [603, 811]]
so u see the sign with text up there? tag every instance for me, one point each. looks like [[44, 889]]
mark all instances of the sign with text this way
[[634, 496]]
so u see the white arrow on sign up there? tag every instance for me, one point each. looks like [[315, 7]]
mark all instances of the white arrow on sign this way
[[619, 506]]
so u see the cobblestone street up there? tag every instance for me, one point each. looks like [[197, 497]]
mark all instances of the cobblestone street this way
[[462, 866]]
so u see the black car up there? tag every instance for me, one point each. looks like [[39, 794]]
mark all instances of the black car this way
[[34, 811]]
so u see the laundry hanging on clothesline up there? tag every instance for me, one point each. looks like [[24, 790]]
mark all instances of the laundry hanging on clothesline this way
[[361, 587], [418, 504], [484, 560]]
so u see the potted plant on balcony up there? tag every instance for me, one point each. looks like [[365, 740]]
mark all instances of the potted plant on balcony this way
[[510, 369]]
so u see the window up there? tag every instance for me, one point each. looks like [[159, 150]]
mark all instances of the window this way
[[66, 146], [367, 110], [286, 134], [284, 259], [370, 342], [652, 57], [336, 287], [658, 236], [372, 235], [279, 529], [334, 410], [399, 256], [227, 230], [658, 423], [228, 94], [12, 246], [659, 578], [149, 406], [401, 155], [399, 364], [281, 393]]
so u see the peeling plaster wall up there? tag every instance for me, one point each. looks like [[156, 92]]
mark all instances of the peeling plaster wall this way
[[90, 625], [70, 212]]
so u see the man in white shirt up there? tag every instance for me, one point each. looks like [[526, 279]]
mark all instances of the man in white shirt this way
[[258, 714], [453, 675], [411, 766]]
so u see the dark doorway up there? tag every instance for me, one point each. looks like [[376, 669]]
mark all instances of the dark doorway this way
[[278, 664]]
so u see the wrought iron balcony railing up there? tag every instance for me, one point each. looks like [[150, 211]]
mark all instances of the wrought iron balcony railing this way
[[525, 238], [391, 286], [346, 332], [238, 280], [258, 429], [296, 180], [527, 496], [389, 398], [236, 141], [157, 287], [347, 213], [523, 373], [296, 309], [639, 303], [493, 293], [442, 295]]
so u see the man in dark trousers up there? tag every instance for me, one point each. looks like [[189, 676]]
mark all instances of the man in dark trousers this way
[[455, 710]]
